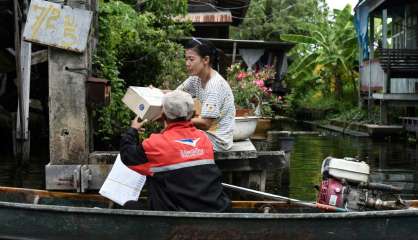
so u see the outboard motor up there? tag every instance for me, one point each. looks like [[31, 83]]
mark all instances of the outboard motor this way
[[345, 184]]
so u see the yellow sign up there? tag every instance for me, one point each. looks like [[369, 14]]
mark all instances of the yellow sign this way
[[57, 25]]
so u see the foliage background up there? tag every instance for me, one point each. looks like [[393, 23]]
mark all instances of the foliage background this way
[[323, 70], [135, 48]]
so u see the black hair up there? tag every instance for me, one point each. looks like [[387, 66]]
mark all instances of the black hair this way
[[205, 48]]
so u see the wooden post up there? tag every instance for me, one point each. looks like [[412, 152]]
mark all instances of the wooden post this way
[[383, 112], [69, 120], [371, 56], [385, 45], [25, 70], [384, 28], [23, 65], [386, 85], [234, 52], [22, 126], [371, 39]]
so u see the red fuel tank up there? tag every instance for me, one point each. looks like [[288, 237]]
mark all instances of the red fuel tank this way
[[331, 193]]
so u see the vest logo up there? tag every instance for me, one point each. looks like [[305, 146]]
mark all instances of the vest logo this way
[[195, 152], [188, 141]]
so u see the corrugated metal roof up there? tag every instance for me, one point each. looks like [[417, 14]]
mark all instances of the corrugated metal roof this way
[[209, 17], [238, 8]]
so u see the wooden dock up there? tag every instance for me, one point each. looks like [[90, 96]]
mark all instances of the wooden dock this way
[[243, 165], [362, 130], [384, 130], [343, 130]]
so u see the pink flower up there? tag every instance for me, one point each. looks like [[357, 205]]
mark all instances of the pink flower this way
[[241, 76], [259, 83]]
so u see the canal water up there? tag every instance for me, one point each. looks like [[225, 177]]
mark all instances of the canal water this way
[[392, 162]]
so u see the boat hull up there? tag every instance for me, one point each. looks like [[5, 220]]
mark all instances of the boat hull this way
[[31, 221]]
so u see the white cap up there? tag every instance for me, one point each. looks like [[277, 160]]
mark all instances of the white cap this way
[[178, 104]]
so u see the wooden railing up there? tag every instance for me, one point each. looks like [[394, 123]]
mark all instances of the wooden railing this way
[[399, 63]]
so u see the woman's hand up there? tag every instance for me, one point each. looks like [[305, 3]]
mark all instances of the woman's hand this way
[[138, 125], [203, 123], [164, 91]]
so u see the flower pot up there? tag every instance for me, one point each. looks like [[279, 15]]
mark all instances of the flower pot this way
[[244, 127], [263, 125], [244, 112]]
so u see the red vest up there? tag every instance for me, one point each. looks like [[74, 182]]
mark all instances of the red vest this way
[[180, 145]]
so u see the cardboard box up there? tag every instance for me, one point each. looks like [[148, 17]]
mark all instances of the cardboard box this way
[[146, 102]]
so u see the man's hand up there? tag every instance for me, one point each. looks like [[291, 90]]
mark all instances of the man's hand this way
[[138, 125]]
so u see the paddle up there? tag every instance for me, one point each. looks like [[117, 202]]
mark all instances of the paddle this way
[[291, 200]]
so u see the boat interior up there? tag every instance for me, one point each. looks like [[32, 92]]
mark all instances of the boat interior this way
[[43, 197]]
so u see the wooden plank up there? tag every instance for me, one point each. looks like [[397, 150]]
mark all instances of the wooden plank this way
[[239, 150], [399, 63], [39, 57], [396, 97], [58, 25]]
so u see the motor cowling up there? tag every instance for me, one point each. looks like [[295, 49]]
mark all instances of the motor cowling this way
[[345, 184]]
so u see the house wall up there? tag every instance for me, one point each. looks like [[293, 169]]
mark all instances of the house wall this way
[[403, 85], [403, 33], [374, 71], [404, 29]]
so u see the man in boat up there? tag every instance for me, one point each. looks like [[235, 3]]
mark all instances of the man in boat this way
[[178, 162]]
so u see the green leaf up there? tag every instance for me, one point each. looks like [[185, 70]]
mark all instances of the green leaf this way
[[298, 38]]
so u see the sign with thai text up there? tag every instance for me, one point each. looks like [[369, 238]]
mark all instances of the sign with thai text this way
[[57, 25]]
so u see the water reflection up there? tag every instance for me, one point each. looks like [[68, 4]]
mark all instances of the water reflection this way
[[390, 162], [28, 175]]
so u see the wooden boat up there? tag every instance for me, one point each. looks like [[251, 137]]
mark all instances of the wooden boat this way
[[37, 214]]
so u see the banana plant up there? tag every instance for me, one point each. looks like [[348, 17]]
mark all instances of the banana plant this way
[[327, 52]]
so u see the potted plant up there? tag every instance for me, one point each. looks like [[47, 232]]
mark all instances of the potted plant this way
[[245, 91], [251, 94]]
